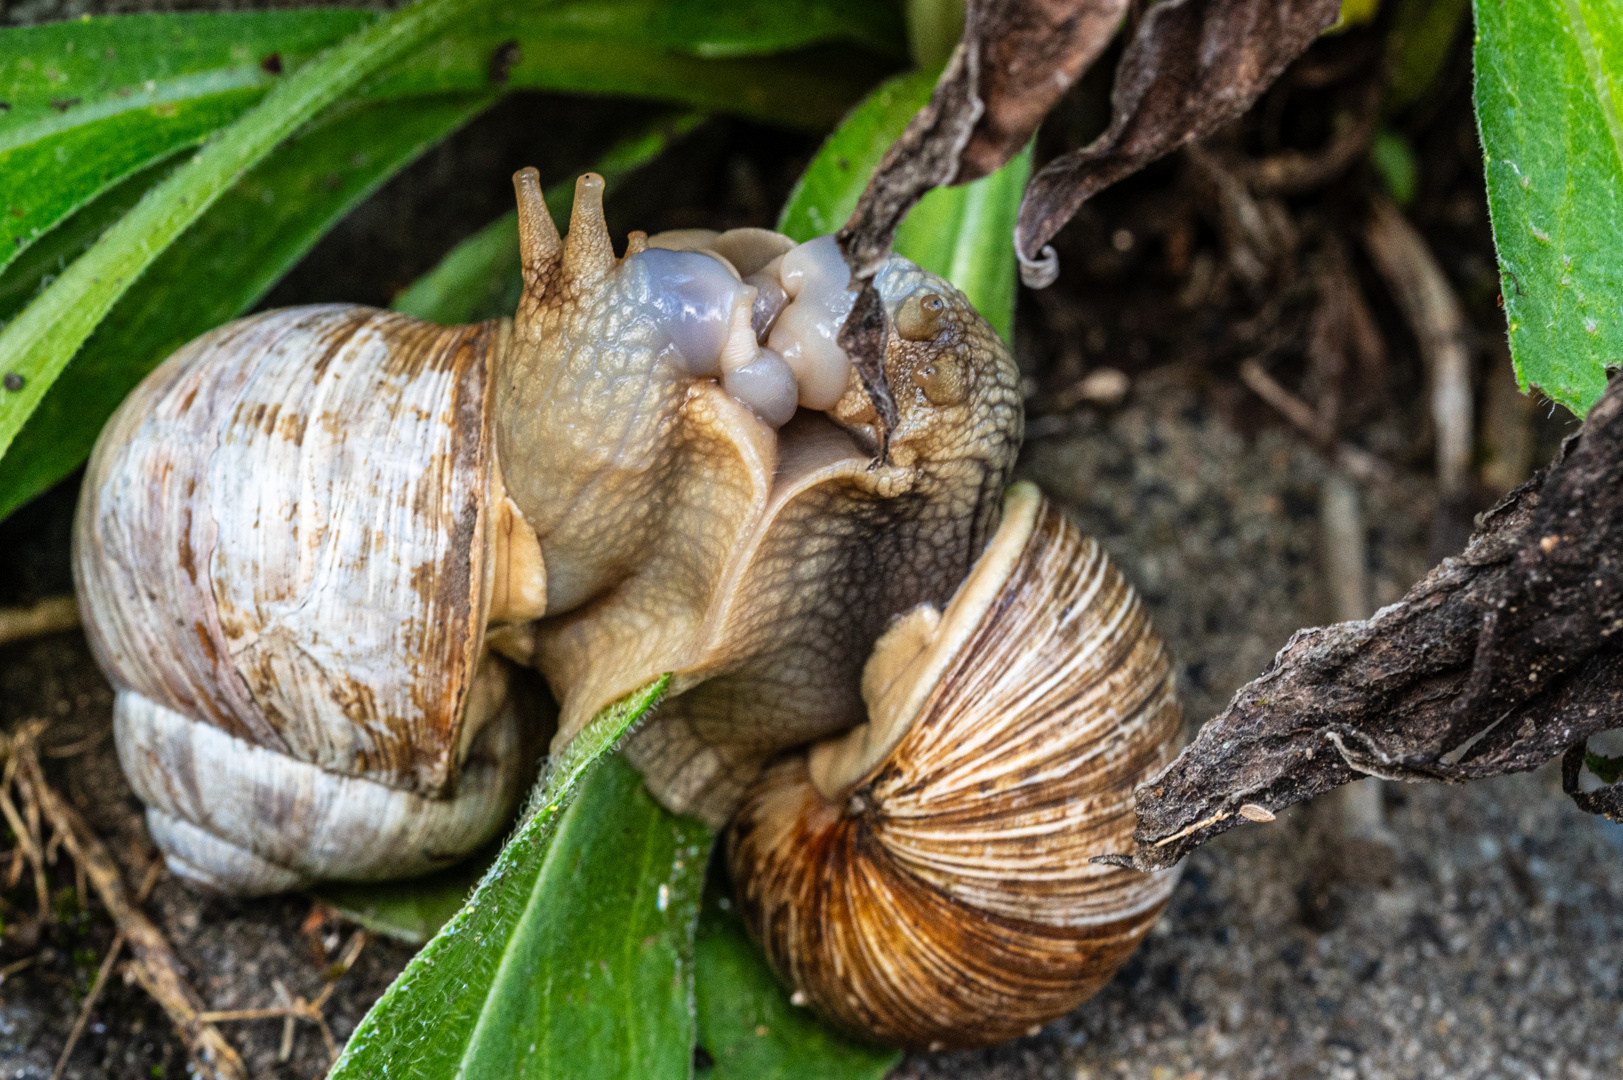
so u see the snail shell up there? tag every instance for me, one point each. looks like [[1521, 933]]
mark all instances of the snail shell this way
[[924, 879], [283, 570]]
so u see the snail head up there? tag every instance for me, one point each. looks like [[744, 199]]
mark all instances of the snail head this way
[[614, 362]]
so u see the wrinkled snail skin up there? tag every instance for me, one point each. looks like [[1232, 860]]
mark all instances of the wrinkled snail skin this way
[[757, 565], [309, 543], [925, 880]]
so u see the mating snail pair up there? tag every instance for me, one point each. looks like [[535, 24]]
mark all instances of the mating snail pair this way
[[313, 544]]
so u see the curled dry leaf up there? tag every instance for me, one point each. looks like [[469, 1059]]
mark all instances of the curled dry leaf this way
[[1191, 67], [1016, 58], [1499, 660]]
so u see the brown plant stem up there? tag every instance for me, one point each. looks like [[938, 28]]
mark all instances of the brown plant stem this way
[[1499, 660], [50, 616], [156, 968]]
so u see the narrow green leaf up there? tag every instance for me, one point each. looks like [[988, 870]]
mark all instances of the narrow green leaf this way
[[965, 234], [93, 101], [423, 1024], [38, 343], [476, 280], [828, 190], [1549, 76], [740, 28], [749, 1027], [479, 278], [217, 269], [41, 263], [244, 244], [597, 978], [807, 90]]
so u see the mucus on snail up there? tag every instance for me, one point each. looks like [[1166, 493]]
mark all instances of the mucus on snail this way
[[315, 545]]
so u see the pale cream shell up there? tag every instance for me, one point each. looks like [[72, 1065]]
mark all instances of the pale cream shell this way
[[282, 537]]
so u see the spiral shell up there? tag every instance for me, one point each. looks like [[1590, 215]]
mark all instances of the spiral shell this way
[[280, 551], [925, 881]]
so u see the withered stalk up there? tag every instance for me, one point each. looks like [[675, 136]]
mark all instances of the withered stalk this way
[[156, 968]]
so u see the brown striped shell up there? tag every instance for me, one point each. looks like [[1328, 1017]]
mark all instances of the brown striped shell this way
[[925, 880]]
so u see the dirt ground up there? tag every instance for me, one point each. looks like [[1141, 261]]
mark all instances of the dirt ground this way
[[1485, 946]]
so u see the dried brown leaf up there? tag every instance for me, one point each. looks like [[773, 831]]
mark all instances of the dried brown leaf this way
[[1499, 660], [1191, 67], [1016, 58]]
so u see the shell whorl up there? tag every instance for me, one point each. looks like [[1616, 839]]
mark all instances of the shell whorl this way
[[281, 538], [945, 897]]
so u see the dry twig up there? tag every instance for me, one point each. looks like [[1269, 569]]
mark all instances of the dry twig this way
[[1434, 313], [101, 975], [50, 616], [1501, 659], [1359, 462], [156, 968], [297, 1008]]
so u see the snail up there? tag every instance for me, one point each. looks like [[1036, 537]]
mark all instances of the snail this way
[[315, 546]]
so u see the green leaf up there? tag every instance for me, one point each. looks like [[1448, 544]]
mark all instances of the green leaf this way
[[424, 1025], [1549, 78], [749, 1027], [410, 911], [828, 190], [805, 90], [216, 270], [91, 101], [40, 263], [707, 29], [479, 278], [476, 280], [38, 343], [597, 978], [965, 234], [94, 101], [1606, 769], [240, 247]]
